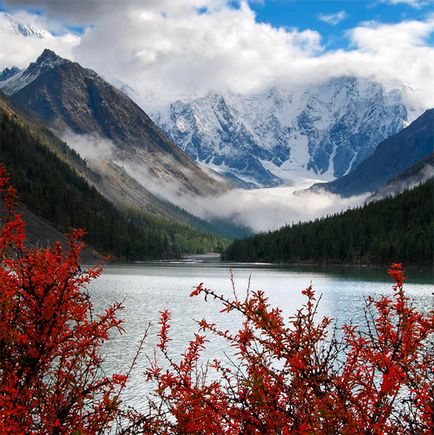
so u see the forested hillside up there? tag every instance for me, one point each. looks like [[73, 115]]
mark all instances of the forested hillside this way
[[394, 229], [52, 189]]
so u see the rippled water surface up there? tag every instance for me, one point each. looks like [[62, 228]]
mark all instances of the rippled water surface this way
[[146, 289]]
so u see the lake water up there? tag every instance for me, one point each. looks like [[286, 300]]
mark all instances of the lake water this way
[[146, 289]]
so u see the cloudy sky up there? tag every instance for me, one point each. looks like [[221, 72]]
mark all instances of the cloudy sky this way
[[187, 47]]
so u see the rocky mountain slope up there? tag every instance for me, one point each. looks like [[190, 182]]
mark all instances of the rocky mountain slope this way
[[392, 157], [280, 135], [75, 102], [110, 180], [56, 191]]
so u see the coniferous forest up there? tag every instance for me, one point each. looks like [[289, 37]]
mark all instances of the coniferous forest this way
[[392, 229], [53, 190]]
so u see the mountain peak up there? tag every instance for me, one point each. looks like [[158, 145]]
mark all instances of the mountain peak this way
[[49, 58], [47, 53], [45, 62]]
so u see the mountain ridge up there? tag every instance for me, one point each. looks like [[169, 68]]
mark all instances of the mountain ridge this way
[[278, 135], [67, 97], [392, 156]]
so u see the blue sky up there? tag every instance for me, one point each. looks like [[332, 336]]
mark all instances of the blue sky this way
[[307, 14], [315, 15]]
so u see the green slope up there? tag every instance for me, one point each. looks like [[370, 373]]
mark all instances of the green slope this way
[[52, 189], [392, 229]]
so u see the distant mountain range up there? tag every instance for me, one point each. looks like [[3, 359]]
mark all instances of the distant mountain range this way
[[391, 159], [273, 137], [280, 135]]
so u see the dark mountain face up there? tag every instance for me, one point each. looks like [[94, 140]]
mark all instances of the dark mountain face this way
[[419, 173], [67, 97], [392, 157]]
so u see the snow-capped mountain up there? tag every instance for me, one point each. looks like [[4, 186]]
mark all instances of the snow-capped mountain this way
[[13, 26], [280, 135]]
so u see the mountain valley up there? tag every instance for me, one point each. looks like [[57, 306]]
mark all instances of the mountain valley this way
[[219, 145]]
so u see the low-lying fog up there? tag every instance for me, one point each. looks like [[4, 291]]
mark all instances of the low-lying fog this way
[[258, 209], [271, 208]]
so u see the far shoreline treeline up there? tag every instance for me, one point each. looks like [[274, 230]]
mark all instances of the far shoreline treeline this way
[[399, 227]]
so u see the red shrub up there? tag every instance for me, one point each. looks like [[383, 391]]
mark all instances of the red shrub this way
[[298, 376], [50, 341]]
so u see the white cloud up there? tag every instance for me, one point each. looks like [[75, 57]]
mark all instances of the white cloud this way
[[172, 48], [16, 49], [257, 209], [413, 3], [376, 37], [193, 52], [397, 54], [333, 19], [171, 53], [91, 147]]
